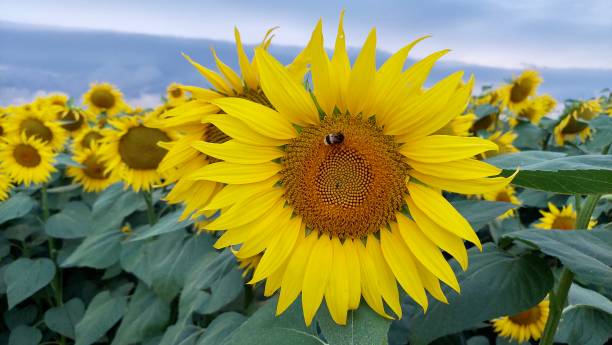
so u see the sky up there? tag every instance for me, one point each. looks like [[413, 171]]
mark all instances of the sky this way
[[53, 44]]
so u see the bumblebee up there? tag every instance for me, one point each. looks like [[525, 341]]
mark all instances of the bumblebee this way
[[333, 139]]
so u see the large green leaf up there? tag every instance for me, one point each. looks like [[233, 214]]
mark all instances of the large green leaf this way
[[584, 326], [363, 327], [264, 327], [23, 277], [586, 253], [223, 292], [495, 284], [74, 221], [586, 174], [145, 317], [20, 316], [63, 319], [220, 328], [16, 206], [102, 313], [25, 335], [114, 204], [100, 250], [581, 297], [166, 224], [481, 212]]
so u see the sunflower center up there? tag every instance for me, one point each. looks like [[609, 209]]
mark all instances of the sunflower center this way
[[74, 121], [138, 147], [521, 90], [1, 131], [503, 196], [258, 96], [527, 317], [574, 126], [36, 128], [94, 168], [26, 155], [564, 223], [90, 138], [103, 99], [214, 135], [348, 185], [176, 92]]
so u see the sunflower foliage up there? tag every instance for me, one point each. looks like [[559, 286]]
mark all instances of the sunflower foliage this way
[[113, 223]]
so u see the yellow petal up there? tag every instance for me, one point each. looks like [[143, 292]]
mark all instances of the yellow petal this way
[[288, 96], [239, 130], [233, 193], [248, 73], [386, 279], [215, 79], [340, 66], [369, 280], [316, 277], [431, 283], [363, 75], [200, 93], [262, 231], [418, 72], [472, 186], [445, 148], [279, 249], [353, 268], [229, 74], [232, 237], [247, 210], [235, 152], [323, 85], [446, 240], [234, 173], [442, 212], [426, 251], [337, 292], [294, 274], [463, 169], [402, 264], [274, 281], [260, 118]]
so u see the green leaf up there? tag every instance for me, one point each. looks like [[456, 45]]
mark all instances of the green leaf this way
[[74, 221], [63, 319], [220, 328], [581, 297], [25, 335], [588, 253], [363, 327], [16, 206], [146, 316], [584, 326], [481, 212], [114, 204], [20, 316], [24, 277], [263, 327], [478, 340], [102, 313], [223, 292], [166, 224], [495, 284], [586, 174], [529, 136], [100, 250], [5, 246]]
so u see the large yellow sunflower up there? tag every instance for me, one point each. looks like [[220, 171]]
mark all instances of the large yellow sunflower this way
[[86, 138], [535, 109], [564, 219], [36, 123], [104, 98], [92, 175], [588, 110], [507, 194], [569, 128], [523, 326], [198, 120], [132, 151], [5, 186], [175, 95], [322, 194], [26, 160], [75, 120], [517, 93]]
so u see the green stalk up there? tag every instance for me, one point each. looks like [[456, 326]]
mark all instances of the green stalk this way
[[151, 215], [558, 297]]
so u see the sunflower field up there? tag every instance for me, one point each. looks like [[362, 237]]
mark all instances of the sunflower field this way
[[325, 201]]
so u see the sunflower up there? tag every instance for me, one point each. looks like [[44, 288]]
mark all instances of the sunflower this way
[[104, 98], [86, 138], [588, 110], [525, 325], [39, 124], [198, 120], [26, 160], [3, 122], [507, 194], [75, 120], [517, 93], [132, 151], [535, 109], [504, 143], [175, 95], [92, 174], [323, 194], [569, 128], [564, 219], [459, 126], [5, 186]]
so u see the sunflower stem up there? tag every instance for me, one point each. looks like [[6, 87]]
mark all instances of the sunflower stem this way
[[148, 197], [558, 297]]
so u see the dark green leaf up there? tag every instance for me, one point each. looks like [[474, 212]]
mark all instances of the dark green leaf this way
[[586, 253], [63, 319], [114, 204], [20, 316], [220, 328], [521, 159], [16, 206], [166, 224], [24, 277], [74, 221], [478, 340], [481, 212], [25, 335], [529, 136], [584, 326], [223, 291], [363, 327], [100, 250], [495, 284], [102, 313]]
